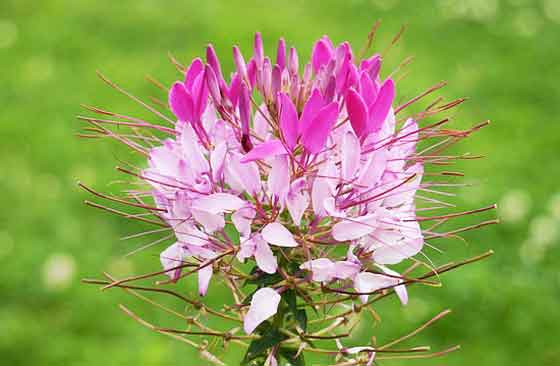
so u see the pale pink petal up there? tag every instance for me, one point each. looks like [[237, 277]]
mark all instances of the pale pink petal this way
[[264, 304], [288, 120], [345, 269], [276, 234], [173, 257], [350, 155], [191, 150], [279, 177], [310, 109], [354, 228], [246, 249], [261, 128], [321, 269], [264, 150], [218, 203], [297, 200], [357, 112], [372, 171], [241, 176], [369, 282], [400, 290], [181, 102], [242, 219], [204, 277], [323, 187], [393, 253], [217, 159], [264, 257], [330, 207], [315, 136], [210, 221], [187, 233], [378, 111]]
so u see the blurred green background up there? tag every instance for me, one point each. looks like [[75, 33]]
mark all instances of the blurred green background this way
[[503, 54]]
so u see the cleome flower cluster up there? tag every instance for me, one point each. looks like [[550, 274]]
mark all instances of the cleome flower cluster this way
[[296, 177], [319, 163]]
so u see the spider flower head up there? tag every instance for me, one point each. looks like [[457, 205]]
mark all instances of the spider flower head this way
[[301, 169]]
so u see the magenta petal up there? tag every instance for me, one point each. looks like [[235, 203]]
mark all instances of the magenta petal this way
[[192, 73], [288, 120], [281, 54], [368, 89], [310, 109], [315, 135], [244, 110], [264, 304], [200, 96], [322, 54], [258, 52], [240, 64], [180, 102], [378, 111], [235, 89], [264, 150], [212, 60], [293, 63], [357, 112]]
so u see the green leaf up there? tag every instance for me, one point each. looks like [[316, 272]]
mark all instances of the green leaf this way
[[270, 338], [289, 296], [301, 318], [290, 356], [264, 279], [232, 233]]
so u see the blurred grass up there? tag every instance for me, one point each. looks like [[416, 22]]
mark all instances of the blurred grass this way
[[504, 55]]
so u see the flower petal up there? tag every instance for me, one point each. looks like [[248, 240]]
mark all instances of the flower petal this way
[[378, 111], [288, 120], [354, 228], [264, 257], [310, 109], [264, 304], [218, 203], [322, 54], [350, 155], [181, 102], [321, 269], [172, 257], [357, 112], [264, 150], [370, 282], [315, 135], [276, 234], [204, 277], [242, 219], [279, 177]]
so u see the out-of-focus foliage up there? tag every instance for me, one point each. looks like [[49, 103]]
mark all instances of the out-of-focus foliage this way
[[502, 54]]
